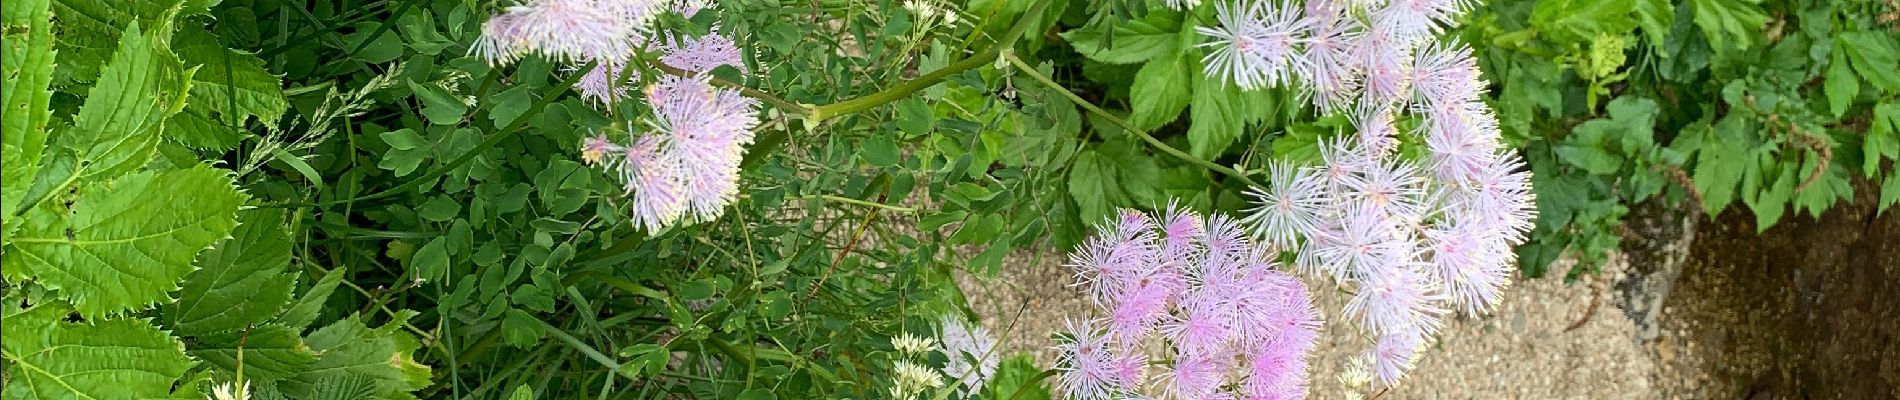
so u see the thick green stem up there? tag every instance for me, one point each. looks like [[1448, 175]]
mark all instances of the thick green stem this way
[[1111, 118], [906, 88]]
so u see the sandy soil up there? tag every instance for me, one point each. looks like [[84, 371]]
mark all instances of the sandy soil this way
[[1544, 342]]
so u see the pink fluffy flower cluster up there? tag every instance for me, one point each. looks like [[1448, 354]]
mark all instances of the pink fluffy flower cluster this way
[[1231, 321], [685, 166], [1412, 237]]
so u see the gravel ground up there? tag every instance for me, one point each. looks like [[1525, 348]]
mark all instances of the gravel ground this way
[[1533, 347]]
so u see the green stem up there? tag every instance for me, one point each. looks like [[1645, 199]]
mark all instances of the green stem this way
[[585, 349], [903, 89], [1164, 147], [848, 200]]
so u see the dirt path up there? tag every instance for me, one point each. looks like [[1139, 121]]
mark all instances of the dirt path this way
[[1699, 309], [1522, 351]]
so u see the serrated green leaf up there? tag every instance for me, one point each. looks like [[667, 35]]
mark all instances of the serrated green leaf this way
[[27, 66], [304, 311], [1091, 181], [48, 358], [1883, 138], [1718, 169], [522, 392], [1016, 379], [85, 43], [194, 128], [1577, 21], [1134, 41], [1729, 24], [1592, 159], [271, 352], [105, 261], [117, 130], [230, 85], [1216, 115], [1841, 86], [349, 349], [1160, 91], [1889, 192], [1874, 56], [240, 282], [1655, 17]]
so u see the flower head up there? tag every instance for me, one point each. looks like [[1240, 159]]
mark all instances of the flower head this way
[[1289, 208], [603, 84], [1090, 368], [1394, 354], [1446, 76], [1392, 187], [701, 54], [1470, 265], [707, 130], [913, 344], [229, 391], [573, 30], [1215, 297], [972, 352], [1196, 376], [1388, 65], [653, 182], [1276, 372], [1256, 44], [911, 380], [1397, 299], [1414, 19], [1330, 68]]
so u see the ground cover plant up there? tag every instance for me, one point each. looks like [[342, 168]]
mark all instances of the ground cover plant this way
[[345, 199]]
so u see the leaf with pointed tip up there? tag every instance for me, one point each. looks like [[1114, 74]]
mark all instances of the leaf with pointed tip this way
[[89, 31], [49, 358], [350, 348], [305, 310], [228, 88], [27, 65], [127, 243], [117, 130], [240, 282], [271, 352]]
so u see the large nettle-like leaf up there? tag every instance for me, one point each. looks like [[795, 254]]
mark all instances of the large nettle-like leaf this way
[[117, 130], [351, 351], [89, 30], [26, 64], [228, 88], [240, 282], [271, 352], [125, 244], [48, 357]]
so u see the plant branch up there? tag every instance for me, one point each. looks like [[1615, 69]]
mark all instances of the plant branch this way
[[1164, 147], [905, 88], [848, 200]]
